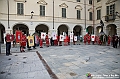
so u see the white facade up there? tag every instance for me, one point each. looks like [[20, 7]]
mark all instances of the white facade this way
[[45, 23]]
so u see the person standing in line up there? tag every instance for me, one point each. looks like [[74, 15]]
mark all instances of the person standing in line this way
[[113, 41], [23, 43], [116, 41], [109, 40], [47, 41], [8, 45]]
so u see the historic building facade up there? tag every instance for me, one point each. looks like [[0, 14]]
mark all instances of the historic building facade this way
[[59, 16]]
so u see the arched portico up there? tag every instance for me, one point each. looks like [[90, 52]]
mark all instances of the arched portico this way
[[77, 30], [41, 28], [62, 28], [98, 30], [21, 27], [2, 31], [111, 29], [90, 30]]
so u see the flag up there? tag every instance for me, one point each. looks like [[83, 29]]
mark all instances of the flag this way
[[18, 35], [31, 41], [101, 23], [43, 35]]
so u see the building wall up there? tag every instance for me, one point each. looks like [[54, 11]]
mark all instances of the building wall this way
[[70, 21]]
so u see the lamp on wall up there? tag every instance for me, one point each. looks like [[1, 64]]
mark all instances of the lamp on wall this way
[[117, 14], [32, 14]]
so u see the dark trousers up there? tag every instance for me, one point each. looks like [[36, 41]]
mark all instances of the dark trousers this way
[[8, 47]]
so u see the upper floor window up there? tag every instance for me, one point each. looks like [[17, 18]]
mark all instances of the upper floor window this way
[[78, 0], [90, 15], [110, 10], [42, 10], [98, 14], [90, 1], [98, 0], [64, 12], [78, 14], [20, 8]]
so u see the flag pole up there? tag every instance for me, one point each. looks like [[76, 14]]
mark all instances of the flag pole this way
[[93, 19]]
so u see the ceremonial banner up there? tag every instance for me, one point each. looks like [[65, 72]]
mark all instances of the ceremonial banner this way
[[31, 40], [61, 37], [10, 37], [18, 35], [71, 35], [36, 39], [92, 37], [75, 38], [43, 35], [54, 35]]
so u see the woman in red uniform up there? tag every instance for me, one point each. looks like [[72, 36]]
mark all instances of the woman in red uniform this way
[[41, 42], [47, 41], [109, 40], [23, 43]]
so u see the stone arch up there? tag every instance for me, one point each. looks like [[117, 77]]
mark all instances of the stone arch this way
[[24, 28], [90, 30], [2, 31], [77, 30], [62, 28], [41, 28], [98, 30], [111, 29]]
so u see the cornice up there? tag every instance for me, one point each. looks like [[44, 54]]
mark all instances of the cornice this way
[[110, 1], [78, 7], [42, 2], [63, 5]]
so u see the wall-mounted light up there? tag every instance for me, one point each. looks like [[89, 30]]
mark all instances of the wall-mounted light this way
[[117, 14], [32, 14]]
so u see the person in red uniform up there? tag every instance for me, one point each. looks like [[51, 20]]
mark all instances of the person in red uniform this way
[[47, 41], [85, 39], [88, 39], [109, 40], [23, 43], [41, 42]]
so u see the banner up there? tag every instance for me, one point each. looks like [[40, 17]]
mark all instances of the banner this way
[[75, 38], [71, 35], [92, 37], [18, 35], [10, 37], [43, 35], [61, 37], [54, 35], [31, 40]]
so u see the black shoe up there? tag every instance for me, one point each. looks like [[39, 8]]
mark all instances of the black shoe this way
[[10, 54], [7, 55]]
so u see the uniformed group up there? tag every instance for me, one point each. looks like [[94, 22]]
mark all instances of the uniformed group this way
[[39, 41], [102, 40]]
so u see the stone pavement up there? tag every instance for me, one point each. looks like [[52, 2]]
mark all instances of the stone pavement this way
[[66, 62], [25, 65], [73, 62]]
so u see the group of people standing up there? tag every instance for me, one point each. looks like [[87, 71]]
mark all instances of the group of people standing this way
[[27, 41], [103, 40]]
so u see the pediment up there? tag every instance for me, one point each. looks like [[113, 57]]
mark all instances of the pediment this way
[[90, 9], [42, 2], [99, 7], [63, 5], [110, 1], [20, 0], [78, 7]]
